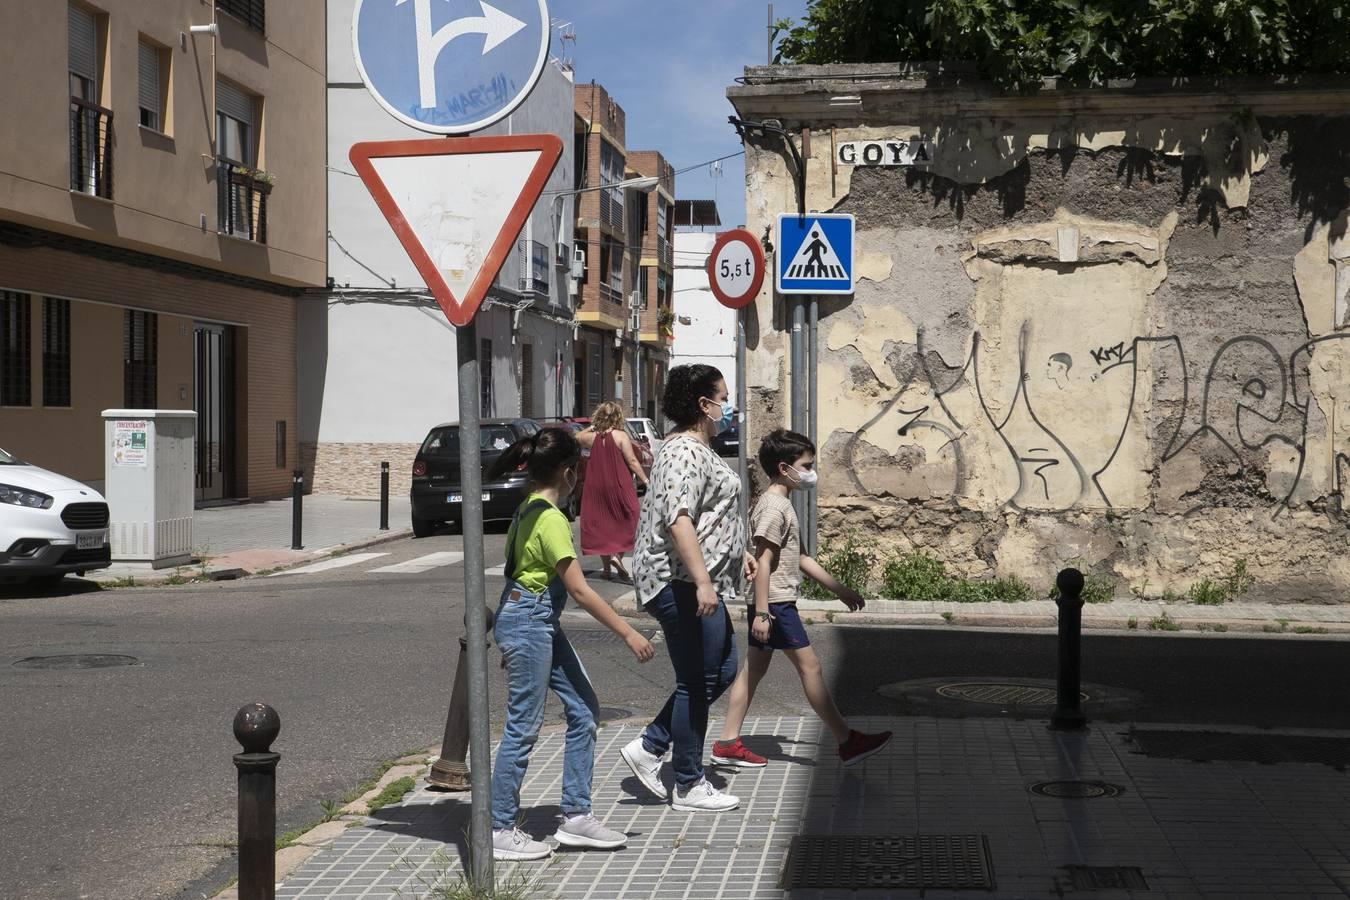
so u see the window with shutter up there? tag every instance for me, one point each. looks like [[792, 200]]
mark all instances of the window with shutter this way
[[83, 54], [149, 86], [235, 132]]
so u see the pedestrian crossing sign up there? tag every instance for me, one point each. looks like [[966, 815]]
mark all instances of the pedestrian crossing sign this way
[[814, 254]]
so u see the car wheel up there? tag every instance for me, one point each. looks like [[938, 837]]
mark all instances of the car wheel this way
[[422, 527]]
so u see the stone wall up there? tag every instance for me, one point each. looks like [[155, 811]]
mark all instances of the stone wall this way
[[353, 470], [1107, 328]]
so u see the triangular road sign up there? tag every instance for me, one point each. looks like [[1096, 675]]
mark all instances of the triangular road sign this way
[[816, 257], [457, 205]]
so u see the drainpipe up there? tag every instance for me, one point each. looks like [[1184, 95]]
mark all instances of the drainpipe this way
[[798, 409], [813, 511]]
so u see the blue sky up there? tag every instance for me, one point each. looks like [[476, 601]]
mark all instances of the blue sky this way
[[668, 64]]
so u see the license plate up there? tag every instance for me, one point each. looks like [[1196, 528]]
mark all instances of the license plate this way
[[459, 498], [91, 541]]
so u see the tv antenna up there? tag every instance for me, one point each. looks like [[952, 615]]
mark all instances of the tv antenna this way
[[565, 33]]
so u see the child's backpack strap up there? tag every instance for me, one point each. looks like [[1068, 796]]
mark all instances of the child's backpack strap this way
[[525, 509]]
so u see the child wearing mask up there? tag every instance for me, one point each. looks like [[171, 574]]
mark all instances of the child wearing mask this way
[[541, 570], [789, 459]]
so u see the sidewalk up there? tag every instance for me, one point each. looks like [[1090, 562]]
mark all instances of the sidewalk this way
[[949, 803], [255, 537]]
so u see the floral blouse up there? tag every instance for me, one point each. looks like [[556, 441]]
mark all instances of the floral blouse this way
[[689, 477]]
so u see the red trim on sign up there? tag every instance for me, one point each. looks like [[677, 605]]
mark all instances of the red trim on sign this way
[[460, 311], [756, 282]]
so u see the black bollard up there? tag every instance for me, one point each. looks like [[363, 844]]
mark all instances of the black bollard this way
[[256, 726], [297, 511], [384, 496], [1068, 714]]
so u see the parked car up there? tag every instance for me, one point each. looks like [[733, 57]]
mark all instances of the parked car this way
[[645, 430], [436, 496], [728, 443], [50, 525]]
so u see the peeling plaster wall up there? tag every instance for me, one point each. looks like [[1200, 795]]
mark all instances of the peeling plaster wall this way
[[1120, 340]]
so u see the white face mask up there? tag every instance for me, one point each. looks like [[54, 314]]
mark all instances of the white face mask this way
[[802, 480]]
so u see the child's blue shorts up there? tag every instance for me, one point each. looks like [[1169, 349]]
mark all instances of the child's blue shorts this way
[[786, 631]]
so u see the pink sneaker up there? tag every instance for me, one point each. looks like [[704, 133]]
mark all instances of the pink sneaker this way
[[734, 753], [859, 746]]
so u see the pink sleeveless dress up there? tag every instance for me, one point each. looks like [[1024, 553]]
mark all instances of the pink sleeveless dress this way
[[609, 503]]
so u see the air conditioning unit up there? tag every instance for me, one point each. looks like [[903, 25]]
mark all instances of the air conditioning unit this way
[[635, 321], [578, 263], [635, 300]]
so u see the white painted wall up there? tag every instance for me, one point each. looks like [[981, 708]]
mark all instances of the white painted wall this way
[[710, 336], [382, 369]]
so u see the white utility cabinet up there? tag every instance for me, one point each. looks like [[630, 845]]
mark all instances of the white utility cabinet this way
[[150, 484]]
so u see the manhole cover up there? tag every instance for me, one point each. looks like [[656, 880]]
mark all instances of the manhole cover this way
[[851, 862], [1075, 790], [1107, 878], [77, 661], [1001, 694], [607, 713]]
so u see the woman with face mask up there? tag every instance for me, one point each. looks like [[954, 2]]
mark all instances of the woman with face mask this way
[[689, 559], [541, 570]]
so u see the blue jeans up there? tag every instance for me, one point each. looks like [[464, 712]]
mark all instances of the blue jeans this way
[[538, 657], [703, 652]]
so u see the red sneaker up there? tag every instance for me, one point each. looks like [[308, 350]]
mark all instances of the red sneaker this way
[[734, 753], [859, 746]]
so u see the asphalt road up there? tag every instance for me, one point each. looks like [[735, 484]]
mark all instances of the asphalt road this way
[[118, 781]]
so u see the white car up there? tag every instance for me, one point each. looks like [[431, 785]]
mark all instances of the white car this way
[[645, 429], [50, 525]]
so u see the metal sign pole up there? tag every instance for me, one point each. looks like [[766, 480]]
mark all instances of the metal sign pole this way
[[475, 613], [742, 464]]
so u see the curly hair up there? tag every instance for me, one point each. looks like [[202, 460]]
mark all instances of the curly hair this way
[[546, 454], [607, 416], [685, 387]]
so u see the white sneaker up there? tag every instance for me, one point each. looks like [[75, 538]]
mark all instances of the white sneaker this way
[[703, 797], [514, 844], [589, 832], [646, 766]]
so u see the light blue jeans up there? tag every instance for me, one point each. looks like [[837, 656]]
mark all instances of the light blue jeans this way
[[538, 657]]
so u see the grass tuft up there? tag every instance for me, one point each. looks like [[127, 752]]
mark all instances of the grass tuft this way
[[918, 576], [848, 560]]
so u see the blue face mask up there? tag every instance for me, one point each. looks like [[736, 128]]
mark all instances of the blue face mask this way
[[727, 419]]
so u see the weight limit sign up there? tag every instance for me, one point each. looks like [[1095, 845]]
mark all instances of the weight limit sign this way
[[736, 268]]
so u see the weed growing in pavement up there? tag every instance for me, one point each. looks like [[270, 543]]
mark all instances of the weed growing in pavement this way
[[1141, 592], [1132, 623], [829, 615], [449, 882], [1220, 627], [849, 561], [948, 615], [392, 793], [1171, 596], [332, 809], [1163, 622], [1206, 592], [1310, 629], [918, 576]]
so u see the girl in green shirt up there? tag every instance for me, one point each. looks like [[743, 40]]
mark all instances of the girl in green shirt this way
[[541, 570]]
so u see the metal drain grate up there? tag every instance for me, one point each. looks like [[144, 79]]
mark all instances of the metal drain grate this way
[[852, 862], [1075, 790], [77, 661], [1107, 878], [1209, 746], [1001, 694]]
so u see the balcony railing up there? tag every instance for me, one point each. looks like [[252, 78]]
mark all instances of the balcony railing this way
[[91, 148], [534, 268], [241, 202], [663, 252]]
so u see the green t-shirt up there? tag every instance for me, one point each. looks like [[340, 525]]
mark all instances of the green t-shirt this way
[[543, 541]]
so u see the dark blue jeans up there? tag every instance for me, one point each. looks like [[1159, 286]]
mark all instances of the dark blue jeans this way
[[703, 653]]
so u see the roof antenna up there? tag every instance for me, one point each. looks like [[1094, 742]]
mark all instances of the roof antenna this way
[[565, 33]]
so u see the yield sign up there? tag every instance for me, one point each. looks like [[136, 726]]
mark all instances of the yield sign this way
[[457, 205]]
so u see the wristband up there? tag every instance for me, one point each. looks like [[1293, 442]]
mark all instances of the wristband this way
[[764, 615]]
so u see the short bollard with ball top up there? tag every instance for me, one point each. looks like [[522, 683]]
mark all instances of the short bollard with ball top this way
[[1068, 714], [256, 726]]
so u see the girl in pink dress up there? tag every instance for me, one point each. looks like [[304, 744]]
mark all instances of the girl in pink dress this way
[[609, 504]]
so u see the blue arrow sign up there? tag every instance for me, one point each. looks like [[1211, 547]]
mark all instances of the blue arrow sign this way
[[450, 66], [814, 254]]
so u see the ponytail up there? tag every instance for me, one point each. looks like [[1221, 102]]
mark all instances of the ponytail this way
[[544, 455]]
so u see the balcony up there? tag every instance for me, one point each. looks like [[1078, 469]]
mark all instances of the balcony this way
[[664, 254], [241, 201], [91, 149], [534, 268]]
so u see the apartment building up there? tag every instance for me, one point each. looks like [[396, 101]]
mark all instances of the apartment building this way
[[624, 227], [161, 208]]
